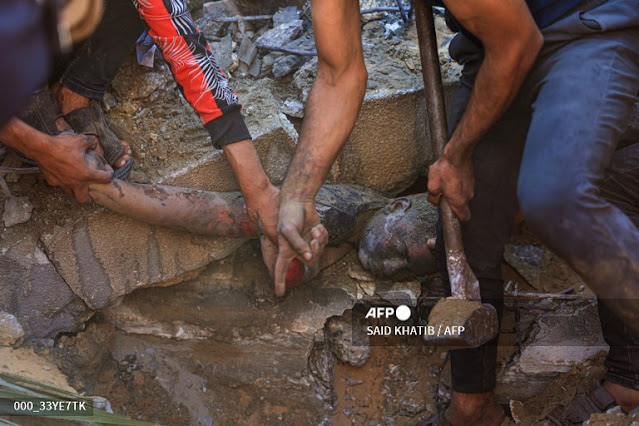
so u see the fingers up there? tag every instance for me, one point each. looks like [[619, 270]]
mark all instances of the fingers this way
[[319, 241], [81, 194], [434, 198], [100, 176], [281, 268], [299, 244], [462, 211]]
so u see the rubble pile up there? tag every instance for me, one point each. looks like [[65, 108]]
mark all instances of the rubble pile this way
[[219, 348]]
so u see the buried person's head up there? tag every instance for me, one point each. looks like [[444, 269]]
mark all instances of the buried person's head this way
[[394, 243]]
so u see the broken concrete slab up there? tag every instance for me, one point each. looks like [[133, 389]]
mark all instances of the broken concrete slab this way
[[274, 138], [247, 51], [285, 65], [32, 290], [339, 335], [104, 256], [557, 342], [541, 268], [253, 347], [390, 144], [286, 14], [11, 330], [281, 34], [17, 210]]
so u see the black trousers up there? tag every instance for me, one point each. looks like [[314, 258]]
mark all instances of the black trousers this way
[[553, 153], [94, 64]]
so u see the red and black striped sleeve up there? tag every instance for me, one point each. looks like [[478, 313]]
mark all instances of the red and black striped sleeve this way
[[193, 65]]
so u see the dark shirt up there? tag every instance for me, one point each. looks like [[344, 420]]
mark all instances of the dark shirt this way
[[25, 53]]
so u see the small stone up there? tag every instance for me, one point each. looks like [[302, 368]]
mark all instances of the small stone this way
[[286, 14], [17, 210], [372, 85], [268, 60], [339, 332], [247, 52], [293, 108], [224, 52], [410, 64], [281, 34], [374, 27], [353, 382], [256, 68], [356, 272], [286, 65], [10, 329], [394, 40]]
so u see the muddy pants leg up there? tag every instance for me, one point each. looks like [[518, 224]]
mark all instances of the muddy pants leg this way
[[496, 165], [621, 188], [584, 95], [92, 68]]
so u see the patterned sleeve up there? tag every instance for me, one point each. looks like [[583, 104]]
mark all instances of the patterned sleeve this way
[[189, 56]]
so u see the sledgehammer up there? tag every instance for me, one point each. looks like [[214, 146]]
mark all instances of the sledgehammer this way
[[463, 310]]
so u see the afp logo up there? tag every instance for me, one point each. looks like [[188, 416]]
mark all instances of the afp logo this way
[[402, 312]]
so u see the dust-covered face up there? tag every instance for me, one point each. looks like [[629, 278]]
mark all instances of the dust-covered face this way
[[394, 243]]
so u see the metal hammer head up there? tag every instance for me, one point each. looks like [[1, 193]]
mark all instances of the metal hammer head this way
[[461, 323]]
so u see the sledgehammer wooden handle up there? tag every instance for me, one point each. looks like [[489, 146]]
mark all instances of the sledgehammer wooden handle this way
[[464, 284]]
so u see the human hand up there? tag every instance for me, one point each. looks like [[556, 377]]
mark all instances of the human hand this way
[[455, 181], [300, 235], [64, 166], [264, 211]]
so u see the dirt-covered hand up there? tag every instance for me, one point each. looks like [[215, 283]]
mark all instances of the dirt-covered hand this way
[[264, 211], [453, 181], [300, 235], [64, 165]]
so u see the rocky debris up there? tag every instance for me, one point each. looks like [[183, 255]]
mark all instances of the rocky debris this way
[[616, 418], [17, 210], [32, 290], [24, 362], [103, 256], [247, 52], [10, 329], [339, 335], [293, 108], [285, 65], [286, 14], [541, 268], [556, 343], [261, 7], [273, 136], [281, 34]]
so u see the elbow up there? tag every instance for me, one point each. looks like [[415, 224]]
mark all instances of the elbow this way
[[351, 76], [529, 47]]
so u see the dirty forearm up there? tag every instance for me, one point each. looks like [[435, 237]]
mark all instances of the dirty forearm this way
[[248, 169], [335, 99], [199, 212], [24, 138], [511, 42]]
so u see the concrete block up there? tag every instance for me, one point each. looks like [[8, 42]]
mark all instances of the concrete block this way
[[33, 291], [104, 256], [273, 135]]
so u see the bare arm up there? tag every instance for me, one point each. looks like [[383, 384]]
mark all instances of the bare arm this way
[[262, 198], [331, 112], [61, 158], [335, 98], [511, 42]]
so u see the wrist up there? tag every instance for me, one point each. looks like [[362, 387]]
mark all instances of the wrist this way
[[456, 157]]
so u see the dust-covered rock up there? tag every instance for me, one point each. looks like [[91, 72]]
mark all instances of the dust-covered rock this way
[[17, 210], [10, 329]]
